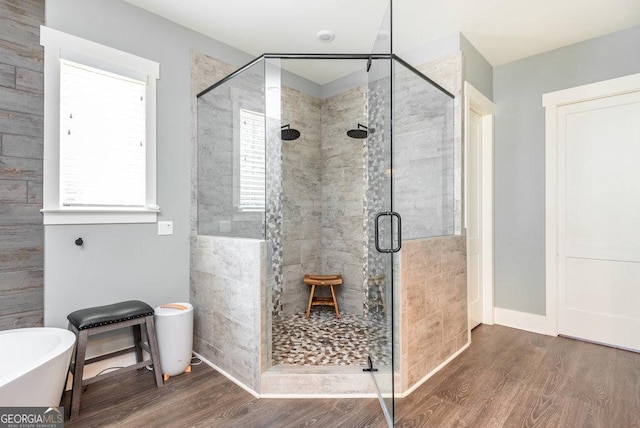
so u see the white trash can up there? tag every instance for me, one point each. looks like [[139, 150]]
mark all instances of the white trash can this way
[[174, 332]]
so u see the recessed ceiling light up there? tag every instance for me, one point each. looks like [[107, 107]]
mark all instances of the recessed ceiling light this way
[[326, 36]]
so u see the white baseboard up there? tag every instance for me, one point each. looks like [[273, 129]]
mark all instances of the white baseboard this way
[[521, 320]]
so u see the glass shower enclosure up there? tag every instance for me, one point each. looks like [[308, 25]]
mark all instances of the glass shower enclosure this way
[[278, 166]]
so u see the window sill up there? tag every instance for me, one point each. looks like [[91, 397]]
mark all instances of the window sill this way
[[99, 215]]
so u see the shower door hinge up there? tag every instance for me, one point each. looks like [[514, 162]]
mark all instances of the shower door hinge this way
[[370, 368]]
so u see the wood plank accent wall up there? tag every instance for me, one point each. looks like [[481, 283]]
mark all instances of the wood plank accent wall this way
[[21, 150]]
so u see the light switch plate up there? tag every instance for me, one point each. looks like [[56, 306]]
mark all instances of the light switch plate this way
[[165, 228]]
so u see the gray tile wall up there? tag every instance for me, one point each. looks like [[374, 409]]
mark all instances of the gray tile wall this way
[[323, 193], [226, 274], [343, 191], [218, 133], [21, 151], [227, 293], [423, 149], [321, 198], [431, 287], [204, 71], [431, 305], [301, 198], [447, 72]]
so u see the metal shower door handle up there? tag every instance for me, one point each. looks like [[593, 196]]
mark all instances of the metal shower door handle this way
[[377, 231]]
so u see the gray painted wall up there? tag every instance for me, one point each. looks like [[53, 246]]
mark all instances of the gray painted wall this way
[[477, 69], [21, 131], [519, 154], [120, 262], [433, 50]]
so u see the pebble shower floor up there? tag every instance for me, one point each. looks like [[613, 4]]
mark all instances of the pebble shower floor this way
[[323, 339]]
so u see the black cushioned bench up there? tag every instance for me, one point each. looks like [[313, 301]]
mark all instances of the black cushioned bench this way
[[90, 321]]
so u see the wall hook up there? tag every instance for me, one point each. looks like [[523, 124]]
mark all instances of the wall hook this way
[[79, 242]]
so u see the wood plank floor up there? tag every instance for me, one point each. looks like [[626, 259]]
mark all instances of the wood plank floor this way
[[507, 378]]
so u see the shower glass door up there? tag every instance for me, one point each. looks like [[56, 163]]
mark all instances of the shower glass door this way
[[382, 224]]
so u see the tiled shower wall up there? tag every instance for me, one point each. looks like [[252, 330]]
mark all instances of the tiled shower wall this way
[[343, 190], [431, 285], [321, 198], [433, 312], [301, 198], [218, 158], [447, 72], [21, 151], [323, 190], [227, 292], [423, 155]]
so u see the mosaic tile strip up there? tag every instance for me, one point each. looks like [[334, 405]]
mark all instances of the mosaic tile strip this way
[[378, 182]]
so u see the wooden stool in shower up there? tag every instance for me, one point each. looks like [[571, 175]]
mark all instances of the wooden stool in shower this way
[[323, 280]]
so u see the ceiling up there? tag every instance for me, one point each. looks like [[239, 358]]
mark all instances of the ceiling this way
[[502, 30]]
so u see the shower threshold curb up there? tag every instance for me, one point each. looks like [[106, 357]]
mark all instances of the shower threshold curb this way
[[308, 382]]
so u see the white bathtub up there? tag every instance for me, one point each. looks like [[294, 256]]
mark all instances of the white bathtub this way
[[33, 365]]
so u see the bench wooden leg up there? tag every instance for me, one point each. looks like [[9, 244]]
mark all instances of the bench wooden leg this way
[[313, 289], [78, 369], [154, 351], [335, 302], [137, 342]]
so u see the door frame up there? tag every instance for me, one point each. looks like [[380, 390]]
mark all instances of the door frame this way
[[475, 101], [551, 101]]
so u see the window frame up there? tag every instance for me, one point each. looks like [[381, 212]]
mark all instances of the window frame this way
[[238, 168], [57, 46], [242, 100]]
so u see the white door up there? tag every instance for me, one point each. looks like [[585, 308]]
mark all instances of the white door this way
[[478, 134], [474, 220], [598, 236], [478, 191]]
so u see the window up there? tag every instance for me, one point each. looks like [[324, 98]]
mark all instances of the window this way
[[252, 161], [99, 133], [102, 135]]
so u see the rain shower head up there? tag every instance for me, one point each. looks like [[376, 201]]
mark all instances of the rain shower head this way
[[361, 132], [288, 134]]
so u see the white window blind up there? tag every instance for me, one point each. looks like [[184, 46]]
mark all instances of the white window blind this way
[[102, 138], [252, 161]]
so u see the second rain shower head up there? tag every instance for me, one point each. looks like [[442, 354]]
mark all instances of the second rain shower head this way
[[360, 132], [288, 134]]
